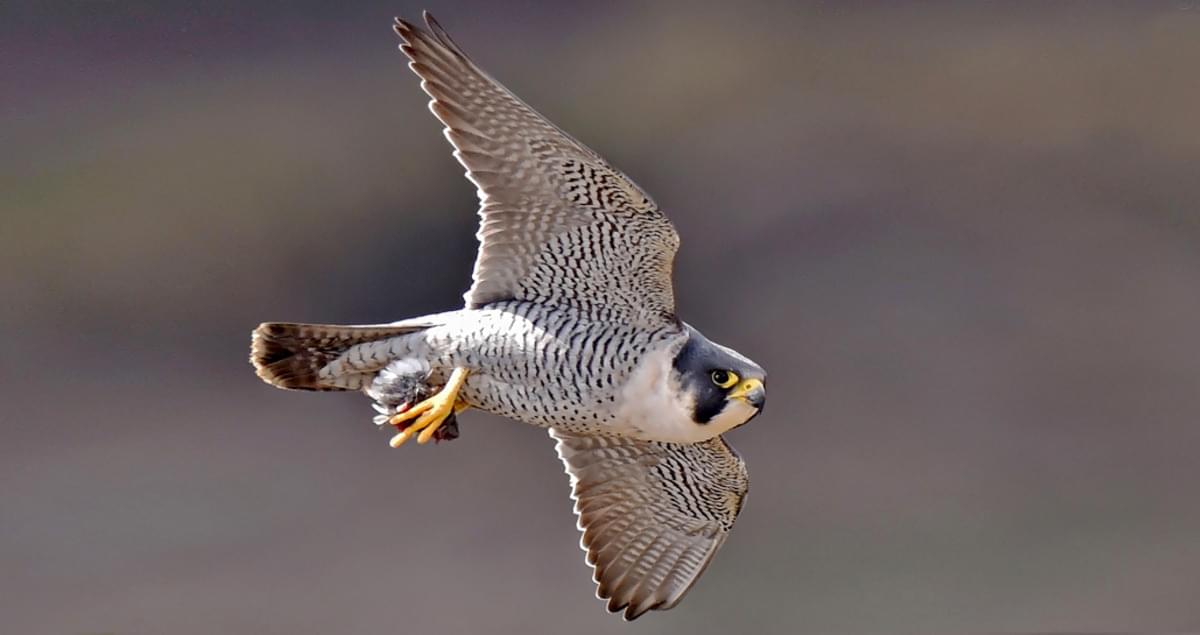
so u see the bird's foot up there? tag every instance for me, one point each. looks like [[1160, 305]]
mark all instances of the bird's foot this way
[[426, 418], [447, 431]]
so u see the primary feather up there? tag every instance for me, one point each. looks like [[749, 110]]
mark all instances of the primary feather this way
[[558, 224]]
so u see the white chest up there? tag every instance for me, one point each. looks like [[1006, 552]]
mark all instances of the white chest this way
[[651, 406]]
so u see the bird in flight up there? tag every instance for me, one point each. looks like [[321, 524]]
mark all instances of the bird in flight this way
[[570, 325]]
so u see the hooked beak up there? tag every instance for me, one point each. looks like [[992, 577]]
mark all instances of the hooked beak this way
[[751, 391]]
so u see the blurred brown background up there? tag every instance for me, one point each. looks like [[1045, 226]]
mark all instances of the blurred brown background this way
[[964, 239]]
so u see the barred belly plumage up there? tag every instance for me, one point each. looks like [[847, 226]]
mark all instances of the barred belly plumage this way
[[543, 365]]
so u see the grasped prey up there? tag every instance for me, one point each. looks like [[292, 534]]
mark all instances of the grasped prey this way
[[396, 389]]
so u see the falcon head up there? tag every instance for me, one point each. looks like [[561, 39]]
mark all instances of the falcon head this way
[[721, 388]]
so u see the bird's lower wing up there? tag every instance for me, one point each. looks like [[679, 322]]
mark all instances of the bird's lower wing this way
[[652, 514]]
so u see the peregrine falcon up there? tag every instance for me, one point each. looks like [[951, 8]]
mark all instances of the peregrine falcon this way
[[570, 325]]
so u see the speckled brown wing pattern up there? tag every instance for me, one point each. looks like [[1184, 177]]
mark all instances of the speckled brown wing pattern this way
[[558, 224], [653, 514]]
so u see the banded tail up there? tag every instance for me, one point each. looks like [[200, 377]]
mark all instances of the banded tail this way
[[291, 356]]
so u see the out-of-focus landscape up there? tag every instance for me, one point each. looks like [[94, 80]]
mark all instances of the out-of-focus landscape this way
[[963, 239]]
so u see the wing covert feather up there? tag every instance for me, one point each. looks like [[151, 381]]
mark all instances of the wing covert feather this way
[[558, 224], [653, 514]]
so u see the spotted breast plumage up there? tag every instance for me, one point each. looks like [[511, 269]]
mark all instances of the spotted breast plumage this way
[[570, 325]]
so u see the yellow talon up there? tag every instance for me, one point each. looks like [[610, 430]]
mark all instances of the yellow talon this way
[[430, 413]]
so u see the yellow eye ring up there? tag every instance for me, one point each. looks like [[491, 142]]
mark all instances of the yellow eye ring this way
[[724, 378]]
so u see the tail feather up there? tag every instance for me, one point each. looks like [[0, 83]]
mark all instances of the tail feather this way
[[292, 355]]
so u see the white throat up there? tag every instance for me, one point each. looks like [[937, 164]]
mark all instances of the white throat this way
[[651, 407]]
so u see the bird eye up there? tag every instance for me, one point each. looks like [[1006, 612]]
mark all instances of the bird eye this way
[[724, 378]]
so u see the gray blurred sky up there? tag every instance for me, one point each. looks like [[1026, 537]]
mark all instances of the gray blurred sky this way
[[964, 240]]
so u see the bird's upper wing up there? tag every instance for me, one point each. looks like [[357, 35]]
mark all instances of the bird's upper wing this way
[[652, 514], [558, 224]]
